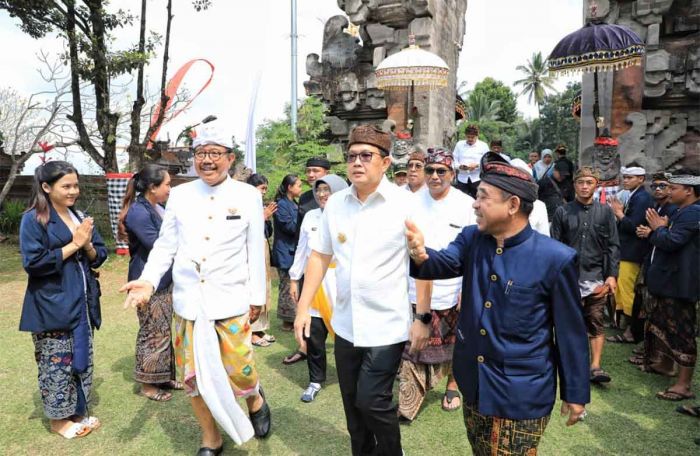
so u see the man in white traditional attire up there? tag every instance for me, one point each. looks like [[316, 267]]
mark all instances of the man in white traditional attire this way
[[212, 234]]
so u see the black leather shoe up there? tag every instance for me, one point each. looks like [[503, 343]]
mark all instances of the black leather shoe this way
[[262, 421], [204, 451]]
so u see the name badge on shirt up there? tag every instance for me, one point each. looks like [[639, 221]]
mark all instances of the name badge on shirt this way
[[233, 217]]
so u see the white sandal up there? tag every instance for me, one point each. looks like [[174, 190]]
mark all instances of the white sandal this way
[[75, 430], [91, 422]]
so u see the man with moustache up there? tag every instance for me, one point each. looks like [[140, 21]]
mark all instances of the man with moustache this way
[[447, 211], [362, 227], [590, 228], [213, 236], [648, 357], [521, 320]]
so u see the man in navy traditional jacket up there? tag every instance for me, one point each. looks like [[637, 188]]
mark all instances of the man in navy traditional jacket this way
[[521, 320]]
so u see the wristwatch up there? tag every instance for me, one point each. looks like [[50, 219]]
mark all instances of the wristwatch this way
[[424, 318]]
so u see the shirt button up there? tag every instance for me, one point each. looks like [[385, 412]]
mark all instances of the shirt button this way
[[210, 217], [480, 358], [211, 198], [494, 277], [482, 332], [206, 238], [487, 304], [499, 251], [201, 281], [204, 259]]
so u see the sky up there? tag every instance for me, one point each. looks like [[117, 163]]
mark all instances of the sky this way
[[247, 41]]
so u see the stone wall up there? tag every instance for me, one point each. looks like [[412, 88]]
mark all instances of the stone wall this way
[[655, 111], [343, 76]]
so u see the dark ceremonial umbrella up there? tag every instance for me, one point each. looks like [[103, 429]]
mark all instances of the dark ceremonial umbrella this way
[[596, 47]]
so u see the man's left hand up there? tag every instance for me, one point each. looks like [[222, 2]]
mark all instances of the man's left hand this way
[[418, 336], [576, 412], [254, 313], [617, 207], [611, 282], [655, 220]]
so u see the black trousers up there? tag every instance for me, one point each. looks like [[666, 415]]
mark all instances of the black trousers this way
[[469, 188], [366, 376], [316, 350]]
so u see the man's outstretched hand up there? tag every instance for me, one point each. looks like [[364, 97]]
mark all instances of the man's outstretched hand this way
[[416, 243], [139, 292]]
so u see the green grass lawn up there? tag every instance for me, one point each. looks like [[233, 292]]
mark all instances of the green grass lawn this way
[[624, 418]]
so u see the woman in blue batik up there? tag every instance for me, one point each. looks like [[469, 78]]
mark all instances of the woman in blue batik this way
[[60, 247]]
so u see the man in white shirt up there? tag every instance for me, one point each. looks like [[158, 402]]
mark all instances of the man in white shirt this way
[[212, 234], [446, 212], [467, 156], [363, 227]]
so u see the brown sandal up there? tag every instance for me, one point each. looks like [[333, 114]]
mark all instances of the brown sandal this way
[[668, 395], [158, 396]]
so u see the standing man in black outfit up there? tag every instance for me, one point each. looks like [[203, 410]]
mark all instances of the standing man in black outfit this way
[[590, 228]]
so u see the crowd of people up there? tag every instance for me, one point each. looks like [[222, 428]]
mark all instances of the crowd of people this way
[[497, 275]]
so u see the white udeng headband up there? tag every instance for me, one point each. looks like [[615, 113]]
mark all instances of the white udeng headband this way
[[633, 171], [685, 179]]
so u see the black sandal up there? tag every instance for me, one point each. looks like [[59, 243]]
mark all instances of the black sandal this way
[[690, 410], [449, 396], [599, 376], [294, 358], [619, 339]]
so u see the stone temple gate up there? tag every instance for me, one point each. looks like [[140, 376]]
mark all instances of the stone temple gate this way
[[356, 42]]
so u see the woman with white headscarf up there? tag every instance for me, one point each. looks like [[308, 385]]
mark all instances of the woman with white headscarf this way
[[322, 305]]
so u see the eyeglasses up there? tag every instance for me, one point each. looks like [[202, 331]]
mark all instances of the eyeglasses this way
[[415, 166], [365, 157], [441, 172], [658, 186], [214, 155]]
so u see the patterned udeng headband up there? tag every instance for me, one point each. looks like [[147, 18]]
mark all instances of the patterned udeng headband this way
[[439, 156], [685, 179]]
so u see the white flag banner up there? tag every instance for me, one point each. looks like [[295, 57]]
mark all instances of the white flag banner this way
[[250, 161]]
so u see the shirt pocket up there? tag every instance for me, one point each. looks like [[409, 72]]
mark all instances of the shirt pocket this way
[[523, 311]]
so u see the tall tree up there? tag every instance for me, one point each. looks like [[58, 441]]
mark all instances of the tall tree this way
[[537, 81], [557, 122], [492, 89], [480, 107]]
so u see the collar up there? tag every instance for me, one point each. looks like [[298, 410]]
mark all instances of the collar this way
[[583, 205], [519, 238], [209, 190], [383, 189]]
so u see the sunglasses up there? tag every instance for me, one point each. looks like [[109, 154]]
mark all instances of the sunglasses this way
[[365, 157], [441, 172], [658, 186]]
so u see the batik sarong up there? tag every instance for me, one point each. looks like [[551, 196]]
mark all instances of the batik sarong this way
[[494, 436], [672, 325], [64, 392], [155, 362], [420, 372], [263, 321], [236, 354], [286, 307]]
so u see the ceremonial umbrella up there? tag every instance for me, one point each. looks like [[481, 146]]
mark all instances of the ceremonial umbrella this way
[[595, 47], [412, 69]]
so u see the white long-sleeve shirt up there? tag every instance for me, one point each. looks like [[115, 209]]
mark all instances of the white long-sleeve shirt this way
[[369, 244], [214, 238], [308, 230], [444, 220], [464, 154]]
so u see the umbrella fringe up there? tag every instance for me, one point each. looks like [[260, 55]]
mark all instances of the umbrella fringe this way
[[595, 67]]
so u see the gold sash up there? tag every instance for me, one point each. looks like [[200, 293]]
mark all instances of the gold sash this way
[[320, 303]]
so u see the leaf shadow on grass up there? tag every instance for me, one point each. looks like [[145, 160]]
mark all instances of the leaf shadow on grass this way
[[298, 373], [125, 366], [293, 427]]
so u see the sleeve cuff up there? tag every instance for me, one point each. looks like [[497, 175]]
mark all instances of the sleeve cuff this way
[[576, 395]]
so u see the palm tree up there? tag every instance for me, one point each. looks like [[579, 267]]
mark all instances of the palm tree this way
[[537, 81], [480, 108]]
